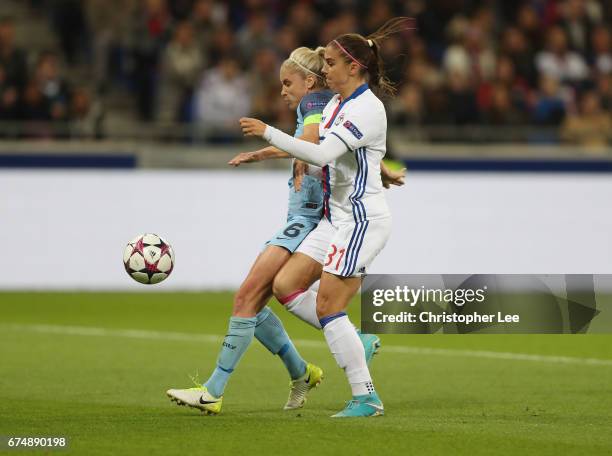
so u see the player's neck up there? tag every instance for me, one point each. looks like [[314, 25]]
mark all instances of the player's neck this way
[[350, 87]]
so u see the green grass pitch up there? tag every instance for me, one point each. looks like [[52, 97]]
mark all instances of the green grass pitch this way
[[94, 367]]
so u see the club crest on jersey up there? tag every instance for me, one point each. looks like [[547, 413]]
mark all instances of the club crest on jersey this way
[[350, 126], [339, 119]]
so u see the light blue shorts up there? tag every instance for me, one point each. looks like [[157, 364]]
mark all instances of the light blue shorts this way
[[293, 233]]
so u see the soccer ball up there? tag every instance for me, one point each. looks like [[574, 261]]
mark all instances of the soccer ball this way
[[148, 259]]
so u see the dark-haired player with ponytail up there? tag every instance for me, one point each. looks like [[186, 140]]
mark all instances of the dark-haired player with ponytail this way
[[357, 221]]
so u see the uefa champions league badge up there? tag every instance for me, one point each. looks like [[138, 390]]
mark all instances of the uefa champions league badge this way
[[339, 119]]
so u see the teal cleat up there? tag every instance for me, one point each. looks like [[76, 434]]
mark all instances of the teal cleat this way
[[371, 344], [362, 406]]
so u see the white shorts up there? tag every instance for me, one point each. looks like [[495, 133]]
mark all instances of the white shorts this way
[[346, 250]]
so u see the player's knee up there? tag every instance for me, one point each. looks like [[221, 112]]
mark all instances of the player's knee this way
[[280, 287]]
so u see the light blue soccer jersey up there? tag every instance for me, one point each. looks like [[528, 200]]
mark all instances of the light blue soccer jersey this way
[[309, 201], [306, 206]]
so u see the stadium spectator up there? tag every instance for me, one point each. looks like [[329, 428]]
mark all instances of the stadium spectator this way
[[471, 56], [264, 84], [591, 126], [557, 61], [150, 25], [549, 109], [577, 25], [222, 97], [514, 44], [86, 115], [223, 44], [604, 89], [9, 97], [68, 20], [182, 63], [107, 21], [303, 20], [532, 24], [378, 13], [463, 107], [47, 95], [601, 59], [12, 58], [515, 87], [206, 17], [285, 40], [502, 110], [255, 35]]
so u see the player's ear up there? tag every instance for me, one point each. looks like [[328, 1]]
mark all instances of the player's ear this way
[[310, 82]]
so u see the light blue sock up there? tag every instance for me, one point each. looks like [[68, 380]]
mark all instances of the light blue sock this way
[[271, 333], [237, 339]]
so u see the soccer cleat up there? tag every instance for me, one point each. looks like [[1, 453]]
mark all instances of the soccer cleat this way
[[197, 397], [371, 344], [299, 388], [362, 406]]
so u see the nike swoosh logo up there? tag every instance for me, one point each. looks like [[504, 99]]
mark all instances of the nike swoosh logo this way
[[202, 401], [308, 379]]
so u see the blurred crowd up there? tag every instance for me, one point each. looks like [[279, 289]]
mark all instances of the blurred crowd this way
[[542, 63]]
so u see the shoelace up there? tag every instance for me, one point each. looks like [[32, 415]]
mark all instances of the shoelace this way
[[299, 385], [196, 380], [352, 403]]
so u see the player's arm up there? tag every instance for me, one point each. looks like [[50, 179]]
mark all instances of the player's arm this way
[[391, 177], [316, 154], [259, 155], [311, 134]]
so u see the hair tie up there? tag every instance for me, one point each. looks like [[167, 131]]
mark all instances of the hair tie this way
[[370, 43]]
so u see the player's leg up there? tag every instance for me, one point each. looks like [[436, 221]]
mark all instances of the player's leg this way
[[293, 287], [352, 250], [249, 318], [299, 273], [334, 295], [256, 289], [296, 288], [250, 301]]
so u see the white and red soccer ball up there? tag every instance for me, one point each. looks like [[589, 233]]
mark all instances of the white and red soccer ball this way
[[148, 259]]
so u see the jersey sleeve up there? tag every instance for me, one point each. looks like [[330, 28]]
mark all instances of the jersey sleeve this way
[[358, 129], [311, 108]]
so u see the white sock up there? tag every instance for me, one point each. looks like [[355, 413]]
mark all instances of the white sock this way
[[348, 350], [303, 304]]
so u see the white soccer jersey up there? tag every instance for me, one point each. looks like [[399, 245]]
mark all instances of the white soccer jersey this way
[[360, 122]]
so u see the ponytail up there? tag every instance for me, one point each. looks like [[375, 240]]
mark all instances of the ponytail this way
[[365, 51]]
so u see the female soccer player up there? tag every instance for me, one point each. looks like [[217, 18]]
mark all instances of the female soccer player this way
[[304, 89], [357, 221]]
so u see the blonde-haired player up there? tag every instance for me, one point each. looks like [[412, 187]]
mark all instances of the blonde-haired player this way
[[303, 89]]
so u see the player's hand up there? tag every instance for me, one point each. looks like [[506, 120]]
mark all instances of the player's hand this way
[[244, 157], [391, 177], [299, 169], [252, 127]]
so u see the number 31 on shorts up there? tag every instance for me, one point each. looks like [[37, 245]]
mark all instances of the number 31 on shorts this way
[[335, 253]]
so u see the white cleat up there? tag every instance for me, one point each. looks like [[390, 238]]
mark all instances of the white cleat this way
[[198, 397], [301, 387]]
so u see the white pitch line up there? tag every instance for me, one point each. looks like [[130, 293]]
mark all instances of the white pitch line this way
[[209, 338]]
